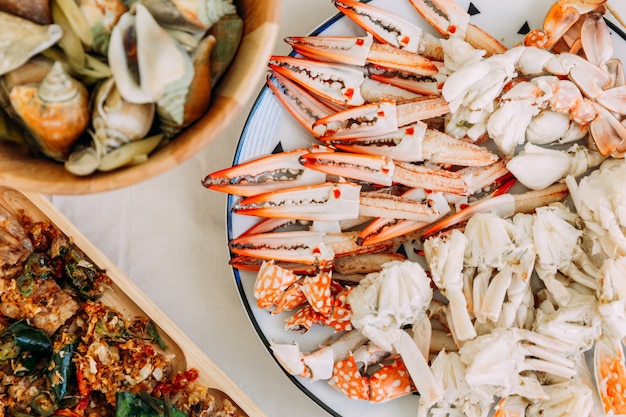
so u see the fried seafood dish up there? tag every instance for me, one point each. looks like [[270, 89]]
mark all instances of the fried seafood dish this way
[[65, 352], [97, 85], [458, 221]]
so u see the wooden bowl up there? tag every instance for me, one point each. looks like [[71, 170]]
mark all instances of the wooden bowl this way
[[19, 169]]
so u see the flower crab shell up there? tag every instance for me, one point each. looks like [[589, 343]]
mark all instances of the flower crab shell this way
[[21, 39]]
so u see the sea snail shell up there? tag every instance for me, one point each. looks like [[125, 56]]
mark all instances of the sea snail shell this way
[[55, 112]]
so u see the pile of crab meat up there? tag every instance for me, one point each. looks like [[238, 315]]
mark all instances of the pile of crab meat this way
[[459, 219]]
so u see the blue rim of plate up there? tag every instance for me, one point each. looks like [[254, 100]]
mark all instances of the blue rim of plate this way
[[229, 226], [231, 199]]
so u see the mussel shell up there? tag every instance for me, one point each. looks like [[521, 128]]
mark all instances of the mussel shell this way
[[37, 11]]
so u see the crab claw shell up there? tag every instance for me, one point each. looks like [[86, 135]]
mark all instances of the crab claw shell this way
[[610, 375], [56, 112], [268, 173], [337, 83], [386, 27], [327, 201], [21, 39], [303, 247]]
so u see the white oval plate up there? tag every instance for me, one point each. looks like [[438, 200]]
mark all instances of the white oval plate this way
[[270, 128]]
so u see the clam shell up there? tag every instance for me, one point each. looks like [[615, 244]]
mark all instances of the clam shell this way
[[56, 112], [163, 66], [20, 39]]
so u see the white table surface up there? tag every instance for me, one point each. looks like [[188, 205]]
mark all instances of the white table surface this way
[[168, 234]]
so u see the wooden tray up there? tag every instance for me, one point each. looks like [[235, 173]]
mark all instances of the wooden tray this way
[[129, 300]]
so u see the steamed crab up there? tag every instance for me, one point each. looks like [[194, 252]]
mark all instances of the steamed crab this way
[[416, 143]]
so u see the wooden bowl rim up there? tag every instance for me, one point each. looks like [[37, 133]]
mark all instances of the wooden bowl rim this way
[[20, 170]]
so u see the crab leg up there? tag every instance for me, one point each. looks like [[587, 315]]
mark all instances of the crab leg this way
[[386, 27], [304, 107], [265, 174], [379, 118], [361, 51], [610, 374], [304, 247], [417, 143], [560, 18], [505, 205], [450, 20]]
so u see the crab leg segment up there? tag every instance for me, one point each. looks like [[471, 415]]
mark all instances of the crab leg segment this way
[[379, 118], [560, 18], [386, 27], [417, 143], [304, 247], [450, 20], [327, 201], [610, 373], [335, 82], [305, 108], [265, 174], [301, 247], [504, 205], [361, 51], [376, 169]]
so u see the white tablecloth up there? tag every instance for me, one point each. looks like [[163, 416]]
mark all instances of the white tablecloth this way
[[168, 234]]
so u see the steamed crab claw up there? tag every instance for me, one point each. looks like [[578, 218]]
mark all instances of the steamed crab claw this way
[[304, 247], [379, 118], [452, 21], [265, 174], [362, 51], [300, 103], [417, 143], [386, 27], [560, 18], [338, 83], [301, 247], [326, 201], [384, 171], [610, 375]]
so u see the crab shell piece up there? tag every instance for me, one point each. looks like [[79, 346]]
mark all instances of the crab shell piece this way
[[56, 112], [327, 201], [21, 39]]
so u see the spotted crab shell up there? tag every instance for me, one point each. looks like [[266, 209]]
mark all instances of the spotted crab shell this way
[[21, 39], [56, 111]]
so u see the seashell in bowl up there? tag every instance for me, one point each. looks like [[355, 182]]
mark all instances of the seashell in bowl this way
[[37, 11], [21, 39], [55, 111]]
